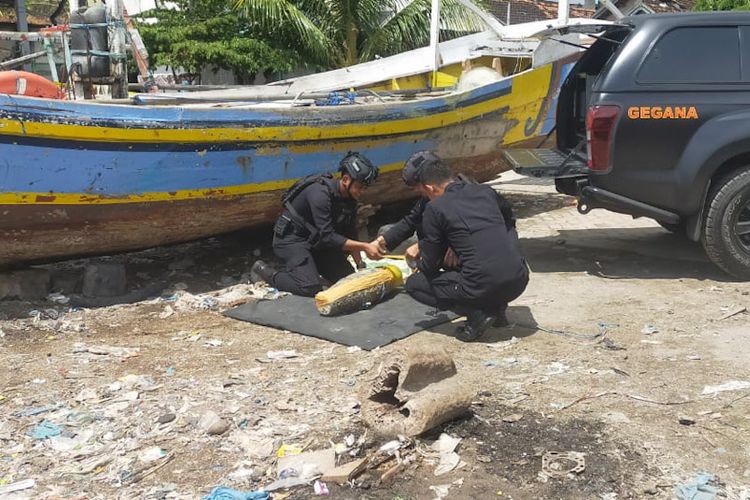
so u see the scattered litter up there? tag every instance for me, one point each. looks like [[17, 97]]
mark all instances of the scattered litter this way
[[166, 418], [732, 312], [39, 316], [225, 493], [37, 410], [615, 417], [557, 464], [105, 350], [694, 357], [296, 470], [282, 354], [286, 450], [441, 491], [222, 299], [321, 489], [449, 459], [167, 312], [45, 430], [649, 329], [732, 385], [699, 488], [317, 462], [213, 343], [17, 486], [557, 368], [151, 454], [58, 298], [685, 420], [342, 474], [212, 424], [511, 419]]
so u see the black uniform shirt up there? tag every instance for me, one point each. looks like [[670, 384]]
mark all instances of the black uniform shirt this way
[[322, 205], [467, 218], [404, 228]]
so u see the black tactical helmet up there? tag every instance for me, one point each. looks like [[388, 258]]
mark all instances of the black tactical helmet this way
[[412, 173], [359, 168]]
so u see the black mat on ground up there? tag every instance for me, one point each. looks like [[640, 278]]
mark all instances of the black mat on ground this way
[[392, 319]]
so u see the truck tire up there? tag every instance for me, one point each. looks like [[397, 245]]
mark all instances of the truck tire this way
[[726, 231]]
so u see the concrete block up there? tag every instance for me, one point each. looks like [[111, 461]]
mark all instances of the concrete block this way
[[67, 281], [25, 284], [104, 279]]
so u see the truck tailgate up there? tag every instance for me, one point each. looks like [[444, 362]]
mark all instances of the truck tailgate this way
[[546, 162]]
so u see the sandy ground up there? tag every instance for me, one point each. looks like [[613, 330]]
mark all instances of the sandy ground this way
[[619, 337]]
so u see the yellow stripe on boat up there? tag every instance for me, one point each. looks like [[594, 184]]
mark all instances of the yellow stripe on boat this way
[[35, 198], [527, 96]]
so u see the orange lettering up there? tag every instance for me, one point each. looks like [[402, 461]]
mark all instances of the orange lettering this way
[[692, 113], [668, 113], [645, 113], [680, 112], [656, 113], [633, 113]]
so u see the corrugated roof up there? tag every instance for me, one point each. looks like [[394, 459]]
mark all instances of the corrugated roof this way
[[524, 11], [670, 5]]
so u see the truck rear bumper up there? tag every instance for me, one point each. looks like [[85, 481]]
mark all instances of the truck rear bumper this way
[[591, 197], [572, 178]]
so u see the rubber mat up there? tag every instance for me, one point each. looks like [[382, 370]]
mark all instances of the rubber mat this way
[[393, 319]]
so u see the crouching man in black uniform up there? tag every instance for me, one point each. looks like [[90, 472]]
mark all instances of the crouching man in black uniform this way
[[317, 230], [467, 218]]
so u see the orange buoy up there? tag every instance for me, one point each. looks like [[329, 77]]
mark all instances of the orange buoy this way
[[28, 84]]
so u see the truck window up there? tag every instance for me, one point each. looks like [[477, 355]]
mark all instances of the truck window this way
[[694, 55]]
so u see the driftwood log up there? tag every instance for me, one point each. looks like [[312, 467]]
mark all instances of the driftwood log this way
[[414, 391]]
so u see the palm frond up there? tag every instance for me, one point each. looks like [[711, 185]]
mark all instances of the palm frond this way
[[283, 17], [409, 27]]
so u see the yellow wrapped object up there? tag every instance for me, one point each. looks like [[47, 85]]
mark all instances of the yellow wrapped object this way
[[359, 290]]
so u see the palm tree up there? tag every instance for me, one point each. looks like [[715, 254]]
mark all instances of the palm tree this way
[[336, 33]]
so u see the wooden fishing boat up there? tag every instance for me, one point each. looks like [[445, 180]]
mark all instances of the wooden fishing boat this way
[[83, 177]]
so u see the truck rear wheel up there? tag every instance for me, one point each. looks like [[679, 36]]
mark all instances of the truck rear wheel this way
[[726, 231]]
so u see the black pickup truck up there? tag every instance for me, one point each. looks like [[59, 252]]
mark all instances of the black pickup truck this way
[[654, 121]]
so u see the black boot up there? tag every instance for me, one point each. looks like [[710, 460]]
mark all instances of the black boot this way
[[262, 272], [477, 322], [502, 319]]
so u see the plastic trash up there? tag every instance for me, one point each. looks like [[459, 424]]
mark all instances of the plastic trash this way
[[225, 493], [45, 430], [321, 489], [696, 489]]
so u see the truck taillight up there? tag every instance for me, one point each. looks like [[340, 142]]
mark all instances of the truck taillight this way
[[600, 126]]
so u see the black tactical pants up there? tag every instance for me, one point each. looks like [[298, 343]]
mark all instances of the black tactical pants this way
[[445, 292], [305, 266]]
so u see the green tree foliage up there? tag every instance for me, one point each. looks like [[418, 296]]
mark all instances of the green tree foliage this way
[[705, 5], [336, 33], [198, 34]]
